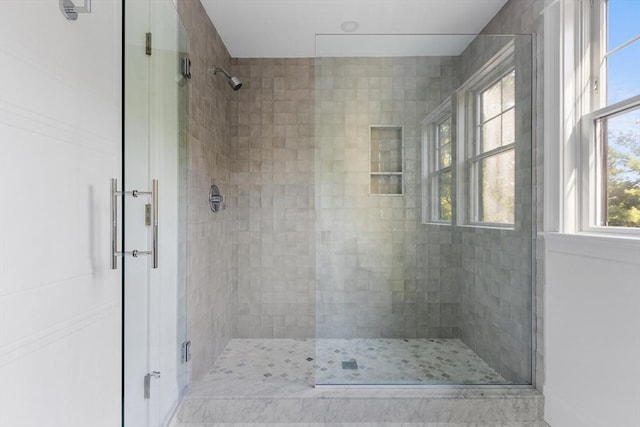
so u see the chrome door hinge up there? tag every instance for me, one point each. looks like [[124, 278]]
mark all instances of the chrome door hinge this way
[[186, 67], [186, 351], [147, 44], [147, 383]]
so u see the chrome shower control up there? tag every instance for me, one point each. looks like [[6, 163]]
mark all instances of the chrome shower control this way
[[216, 200]]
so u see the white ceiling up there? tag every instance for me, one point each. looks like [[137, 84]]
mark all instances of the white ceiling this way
[[288, 28]]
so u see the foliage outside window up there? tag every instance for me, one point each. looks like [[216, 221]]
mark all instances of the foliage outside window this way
[[443, 174], [614, 196], [438, 166]]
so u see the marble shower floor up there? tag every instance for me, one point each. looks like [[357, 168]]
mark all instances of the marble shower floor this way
[[380, 361]]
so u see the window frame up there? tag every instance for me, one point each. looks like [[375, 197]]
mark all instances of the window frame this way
[[468, 181], [431, 170], [592, 160]]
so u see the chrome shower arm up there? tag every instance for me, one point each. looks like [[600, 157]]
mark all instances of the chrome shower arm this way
[[217, 70]]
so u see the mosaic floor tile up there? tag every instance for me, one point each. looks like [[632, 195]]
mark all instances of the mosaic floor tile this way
[[401, 361], [374, 361]]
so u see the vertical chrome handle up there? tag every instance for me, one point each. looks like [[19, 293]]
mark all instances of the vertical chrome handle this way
[[154, 196], [114, 223]]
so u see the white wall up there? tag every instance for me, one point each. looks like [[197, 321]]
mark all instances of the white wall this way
[[592, 332], [60, 126]]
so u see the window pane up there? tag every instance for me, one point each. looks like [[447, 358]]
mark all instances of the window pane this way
[[497, 194], [491, 134], [509, 127], [622, 74], [444, 197], [444, 132], [509, 91], [491, 100], [445, 157], [444, 143], [623, 169], [623, 22]]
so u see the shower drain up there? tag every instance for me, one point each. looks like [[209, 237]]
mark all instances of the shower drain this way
[[351, 364]]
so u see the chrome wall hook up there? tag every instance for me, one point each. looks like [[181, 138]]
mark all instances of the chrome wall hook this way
[[70, 10]]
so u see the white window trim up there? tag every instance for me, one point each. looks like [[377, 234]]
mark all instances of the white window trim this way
[[569, 110], [429, 162], [500, 65]]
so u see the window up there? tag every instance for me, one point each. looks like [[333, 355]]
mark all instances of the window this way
[[492, 155], [611, 193], [469, 155], [486, 112], [438, 161]]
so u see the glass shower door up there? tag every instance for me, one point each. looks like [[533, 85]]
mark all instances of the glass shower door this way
[[423, 263], [154, 285]]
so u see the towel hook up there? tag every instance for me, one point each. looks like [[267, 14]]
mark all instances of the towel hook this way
[[70, 10]]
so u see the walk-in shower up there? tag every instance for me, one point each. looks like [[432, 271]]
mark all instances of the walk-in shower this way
[[384, 210], [378, 223]]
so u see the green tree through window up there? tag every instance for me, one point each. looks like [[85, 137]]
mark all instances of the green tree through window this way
[[623, 183]]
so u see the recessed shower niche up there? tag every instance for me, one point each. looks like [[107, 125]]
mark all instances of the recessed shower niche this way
[[385, 160]]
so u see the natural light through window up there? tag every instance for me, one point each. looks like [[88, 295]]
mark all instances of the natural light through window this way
[[623, 49], [443, 172], [616, 120], [620, 135], [438, 151], [493, 165]]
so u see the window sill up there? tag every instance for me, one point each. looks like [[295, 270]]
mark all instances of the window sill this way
[[505, 227], [446, 224], [618, 248]]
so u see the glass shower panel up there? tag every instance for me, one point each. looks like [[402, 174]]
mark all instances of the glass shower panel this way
[[182, 335], [168, 161], [399, 302], [156, 120]]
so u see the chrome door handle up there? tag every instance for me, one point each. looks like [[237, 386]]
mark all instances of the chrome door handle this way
[[115, 253]]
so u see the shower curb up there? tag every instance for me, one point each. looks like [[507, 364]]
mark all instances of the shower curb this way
[[367, 424], [454, 406]]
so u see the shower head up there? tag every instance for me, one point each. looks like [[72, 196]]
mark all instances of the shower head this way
[[233, 81]]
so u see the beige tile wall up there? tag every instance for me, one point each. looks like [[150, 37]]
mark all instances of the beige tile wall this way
[[370, 281], [274, 185], [372, 277], [524, 17], [496, 271], [209, 153]]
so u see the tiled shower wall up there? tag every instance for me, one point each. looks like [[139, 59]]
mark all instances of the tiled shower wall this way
[[495, 275], [273, 138], [525, 17], [368, 272], [209, 154]]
